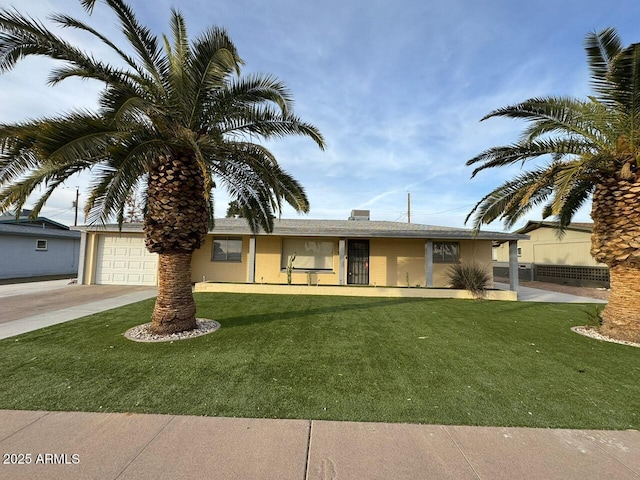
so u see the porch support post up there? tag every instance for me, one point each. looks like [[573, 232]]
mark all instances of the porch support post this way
[[252, 259], [341, 248], [83, 253], [513, 265], [91, 254], [428, 262]]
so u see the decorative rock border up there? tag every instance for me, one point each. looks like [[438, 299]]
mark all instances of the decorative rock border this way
[[591, 332], [140, 333]]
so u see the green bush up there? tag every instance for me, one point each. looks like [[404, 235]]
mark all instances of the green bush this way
[[470, 276]]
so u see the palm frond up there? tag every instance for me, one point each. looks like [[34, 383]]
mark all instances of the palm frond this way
[[565, 116], [253, 178], [67, 21], [624, 90], [141, 39], [266, 123], [567, 176], [524, 151], [579, 194], [601, 49], [127, 107], [214, 60], [257, 89], [514, 198]]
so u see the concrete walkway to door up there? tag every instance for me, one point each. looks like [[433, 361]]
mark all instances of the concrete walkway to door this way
[[29, 306]]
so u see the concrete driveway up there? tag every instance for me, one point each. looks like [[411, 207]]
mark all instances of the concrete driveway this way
[[528, 294], [29, 306]]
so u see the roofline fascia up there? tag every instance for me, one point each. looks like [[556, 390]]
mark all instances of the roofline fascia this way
[[330, 234], [27, 221], [533, 225]]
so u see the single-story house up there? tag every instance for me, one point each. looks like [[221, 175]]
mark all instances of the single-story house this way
[[322, 252], [546, 257], [37, 248]]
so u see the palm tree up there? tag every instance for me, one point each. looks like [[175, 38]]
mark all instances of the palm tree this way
[[175, 121], [594, 150]]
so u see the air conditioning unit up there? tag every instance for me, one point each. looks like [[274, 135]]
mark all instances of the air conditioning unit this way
[[360, 215]]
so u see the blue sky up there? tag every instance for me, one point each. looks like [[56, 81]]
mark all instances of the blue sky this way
[[396, 87]]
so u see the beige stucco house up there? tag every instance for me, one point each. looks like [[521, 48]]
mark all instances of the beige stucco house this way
[[545, 256], [327, 252]]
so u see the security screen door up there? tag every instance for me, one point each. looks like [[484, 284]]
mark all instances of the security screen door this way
[[358, 262]]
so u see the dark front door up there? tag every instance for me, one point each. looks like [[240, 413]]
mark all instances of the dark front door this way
[[358, 262]]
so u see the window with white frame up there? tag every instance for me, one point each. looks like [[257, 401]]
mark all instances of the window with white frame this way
[[310, 254], [41, 245], [227, 249], [446, 252]]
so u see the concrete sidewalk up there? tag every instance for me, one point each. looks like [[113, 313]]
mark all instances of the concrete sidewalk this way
[[121, 446]]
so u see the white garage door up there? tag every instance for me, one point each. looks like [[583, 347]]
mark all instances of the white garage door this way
[[124, 260]]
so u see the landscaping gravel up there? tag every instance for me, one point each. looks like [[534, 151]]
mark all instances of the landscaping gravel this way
[[141, 333]]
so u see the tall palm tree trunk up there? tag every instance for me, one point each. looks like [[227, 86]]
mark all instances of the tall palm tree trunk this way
[[621, 317], [175, 309], [175, 225], [615, 241]]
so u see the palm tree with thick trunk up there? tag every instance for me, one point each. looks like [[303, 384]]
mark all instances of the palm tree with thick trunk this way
[[593, 146], [177, 120]]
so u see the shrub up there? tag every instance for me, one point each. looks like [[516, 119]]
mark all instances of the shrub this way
[[472, 277], [595, 316]]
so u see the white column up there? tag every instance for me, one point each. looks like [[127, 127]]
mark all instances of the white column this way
[[428, 262], [341, 248], [83, 253], [252, 259], [513, 265]]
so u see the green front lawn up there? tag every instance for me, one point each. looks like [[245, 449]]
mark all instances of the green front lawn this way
[[459, 362]]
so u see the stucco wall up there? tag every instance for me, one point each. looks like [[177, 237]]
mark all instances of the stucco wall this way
[[471, 251], [19, 257], [545, 248], [269, 269], [202, 267], [392, 261]]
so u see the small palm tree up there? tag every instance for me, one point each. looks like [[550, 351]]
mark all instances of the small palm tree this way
[[174, 121], [594, 147]]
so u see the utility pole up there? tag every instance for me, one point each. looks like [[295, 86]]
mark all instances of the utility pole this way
[[75, 222], [408, 207]]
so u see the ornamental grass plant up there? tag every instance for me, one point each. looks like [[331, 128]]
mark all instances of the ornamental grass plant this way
[[470, 276]]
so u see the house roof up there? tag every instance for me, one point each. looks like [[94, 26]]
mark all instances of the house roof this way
[[33, 231], [339, 228], [37, 222], [577, 226]]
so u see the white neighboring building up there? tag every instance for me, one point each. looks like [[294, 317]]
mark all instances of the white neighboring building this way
[[546, 257]]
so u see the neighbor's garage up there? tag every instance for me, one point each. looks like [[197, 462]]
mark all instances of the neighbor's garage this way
[[124, 260]]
